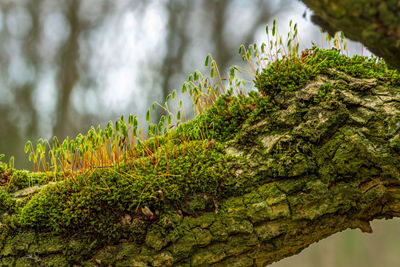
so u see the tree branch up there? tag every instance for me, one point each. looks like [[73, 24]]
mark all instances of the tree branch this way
[[311, 169]]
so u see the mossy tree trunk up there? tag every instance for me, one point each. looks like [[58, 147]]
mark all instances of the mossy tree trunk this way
[[329, 160], [376, 24]]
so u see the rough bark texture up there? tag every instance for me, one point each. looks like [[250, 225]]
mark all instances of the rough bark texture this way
[[335, 166], [376, 24]]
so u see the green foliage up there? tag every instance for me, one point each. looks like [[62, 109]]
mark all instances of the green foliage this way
[[7, 203], [95, 204], [20, 179], [356, 66], [287, 74], [290, 74], [223, 120]]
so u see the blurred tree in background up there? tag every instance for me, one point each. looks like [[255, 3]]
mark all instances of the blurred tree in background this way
[[41, 66], [62, 69]]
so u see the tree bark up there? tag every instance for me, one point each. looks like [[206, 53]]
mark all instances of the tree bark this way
[[376, 24], [336, 165]]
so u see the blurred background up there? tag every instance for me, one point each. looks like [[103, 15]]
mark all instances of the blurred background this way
[[68, 64]]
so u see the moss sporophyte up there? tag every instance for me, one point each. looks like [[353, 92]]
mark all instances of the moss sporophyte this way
[[90, 182]]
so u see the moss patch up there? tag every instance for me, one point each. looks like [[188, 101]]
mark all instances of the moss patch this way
[[97, 202], [292, 73]]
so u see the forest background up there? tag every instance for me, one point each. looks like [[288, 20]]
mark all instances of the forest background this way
[[68, 64]]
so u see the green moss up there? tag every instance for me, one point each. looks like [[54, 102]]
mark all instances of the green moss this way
[[47, 244], [223, 120], [96, 204], [7, 261], [292, 73], [23, 179], [197, 203], [395, 142], [17, 243], [7, 203], [25, 262], [19, 179], [55, 260], [285, 75], [155, 237]]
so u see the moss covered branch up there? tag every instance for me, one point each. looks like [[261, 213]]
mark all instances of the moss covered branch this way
[[251, 180]]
